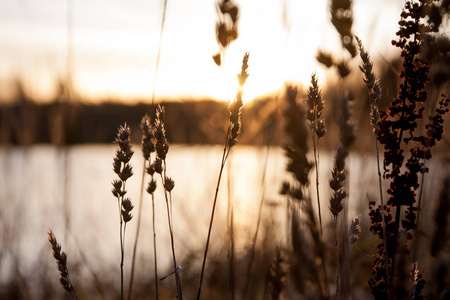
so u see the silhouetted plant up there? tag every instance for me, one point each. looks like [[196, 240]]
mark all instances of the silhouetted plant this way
[[61, 261], [161, 145], [148, 147], [234, 128], [317, 125], [124, 171], [305, 255], [226, 27], [396, 130], [342, 19], [374, 90]]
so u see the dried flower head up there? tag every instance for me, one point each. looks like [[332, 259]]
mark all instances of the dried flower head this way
[[285, 187], [158, 165], [150, 170], [325, 58], [124, 153], [277, 273], [124, 170], [315, 106], [235, 122], [342, 19], [226, 26], [343, 69], [127, 207], [354, 230], [151, 186], [372, 84], [296, 193], [296, 131], [161, 143], [61, 261], [169, 184], [148, 143]]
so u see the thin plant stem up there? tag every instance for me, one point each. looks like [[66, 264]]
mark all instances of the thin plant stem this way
[[316, 162], [163, 20], [383, 218], [230, 219], [222, 165], [133, 260], [336, 246], [121, 247], [154, 247], [123, 256], [169, 218], [121, 260], [261, 204], [416, 240]]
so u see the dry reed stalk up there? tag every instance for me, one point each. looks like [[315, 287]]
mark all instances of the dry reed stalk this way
[[276, 275], [317, 126], [230, 226], [417, 282], [163, 20], [234, 128], [160, 167], [351, 235], [374, 90], [342, 19], [258, 222], [296, 149], [226, 27], [123, 169], [61, 261], [339, 177], [397, 131], [148, 147]]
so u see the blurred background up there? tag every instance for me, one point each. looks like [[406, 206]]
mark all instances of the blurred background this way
[[72, 71]]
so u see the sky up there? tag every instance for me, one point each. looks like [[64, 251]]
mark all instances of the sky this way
[[112, 49]]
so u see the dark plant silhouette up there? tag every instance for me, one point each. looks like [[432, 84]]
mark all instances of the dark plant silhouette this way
[[234, 128], [397, 131]]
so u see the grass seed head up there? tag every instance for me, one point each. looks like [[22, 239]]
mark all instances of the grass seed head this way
[[61, 261]]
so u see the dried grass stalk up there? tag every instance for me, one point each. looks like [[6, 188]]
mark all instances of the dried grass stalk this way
[[61, 262], [234, 128]]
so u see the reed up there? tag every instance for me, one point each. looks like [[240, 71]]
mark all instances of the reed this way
[[317, 125], [226, 27], [234, 128], [163, 21], [124, 171], [148, 147], [397, 131], [374, 89], [339, 177], [276, 276], [61, 262], [307, 256], [258, 223], [160, 167]]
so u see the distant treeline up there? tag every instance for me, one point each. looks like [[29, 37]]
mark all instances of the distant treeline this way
[[190, 122]]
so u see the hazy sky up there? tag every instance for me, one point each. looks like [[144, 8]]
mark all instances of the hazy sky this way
[[115, 42]]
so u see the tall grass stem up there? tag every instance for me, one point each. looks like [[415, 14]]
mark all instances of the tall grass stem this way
[[222, 165], [133, 260], [163, 20], [258, 222]]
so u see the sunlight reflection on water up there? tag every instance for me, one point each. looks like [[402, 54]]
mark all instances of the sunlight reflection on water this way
[[34, 184]]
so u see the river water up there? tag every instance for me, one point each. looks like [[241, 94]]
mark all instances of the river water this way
[[69, 191]]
